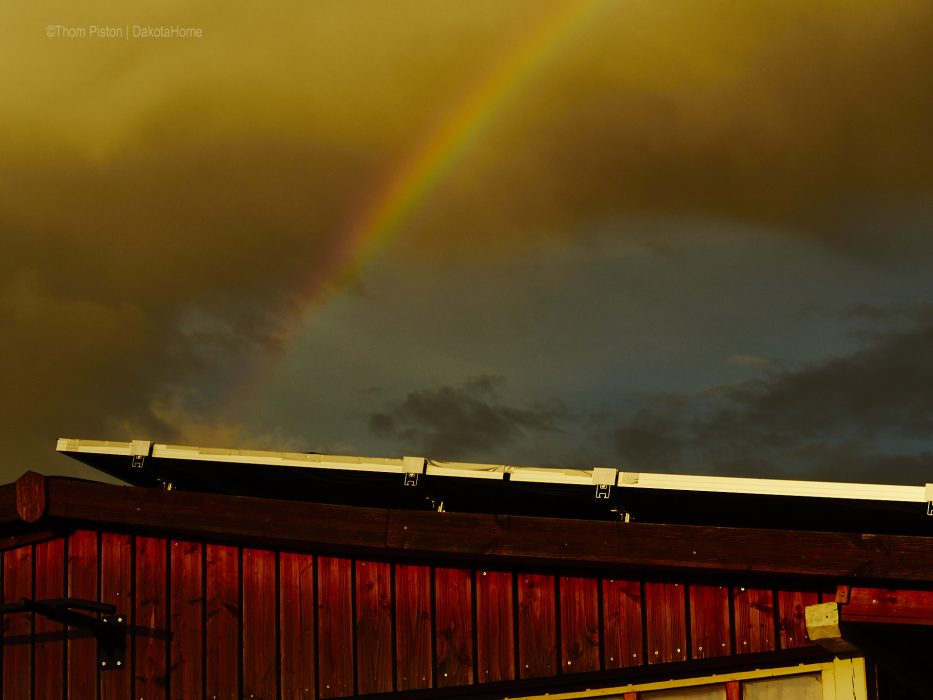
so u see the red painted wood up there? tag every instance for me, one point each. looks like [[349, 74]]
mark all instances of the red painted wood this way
[[335, 627], [791, 617], [116, 581], [579, 624], [17, 655], [412, 627], [186, 601], [150, 670], [479, 536], [296, 580], [709, 622], [733, 690], [886, 605], [665, 606], [754, 619], [260, 679], [82, 583], [537, 626], [222, 616], [495, 652], [31, 496], [622, 625], [373, 627], [453, 605], [49, 671]]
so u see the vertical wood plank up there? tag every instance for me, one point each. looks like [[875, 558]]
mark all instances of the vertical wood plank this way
[[335, 627], [260, 678], [710, 634], [296, 615], [733, 690], [49, 672], [495, 650], [116, 580], [579, 624], [186, 600], [754, 620], [622, 625], [665, 606], [791, 605], [537, 626], [453, 605], [373, 627], [17, 655], [82, 583], [150, 668], [222, 617], [413, 627]]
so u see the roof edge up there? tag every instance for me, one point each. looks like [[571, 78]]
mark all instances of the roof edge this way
[[606, 476]]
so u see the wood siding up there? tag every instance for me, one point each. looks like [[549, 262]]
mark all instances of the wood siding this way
[[224, 621]]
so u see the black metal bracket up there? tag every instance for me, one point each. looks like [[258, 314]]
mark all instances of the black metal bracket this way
[[109, 629]]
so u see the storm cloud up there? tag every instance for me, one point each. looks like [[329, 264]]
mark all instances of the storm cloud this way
[[863, 416], [457, 422]]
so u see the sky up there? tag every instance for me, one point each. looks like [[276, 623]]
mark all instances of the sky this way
[[669, 236]]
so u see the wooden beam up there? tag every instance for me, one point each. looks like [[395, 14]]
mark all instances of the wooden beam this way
[[888, 606], [483, 537], [824, 627], [31, 496]]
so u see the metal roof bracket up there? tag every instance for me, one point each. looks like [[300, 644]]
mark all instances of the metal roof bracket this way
[[414, 467], [604, 478], [110, 633], [139, 450]]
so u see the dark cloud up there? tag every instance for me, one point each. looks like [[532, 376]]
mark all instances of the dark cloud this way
[[867, 415], [126, 285], [455, 422]]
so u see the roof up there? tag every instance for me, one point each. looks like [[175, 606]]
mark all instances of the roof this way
[[601, 493]]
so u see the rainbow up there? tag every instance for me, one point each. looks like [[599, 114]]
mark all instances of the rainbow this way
[[409, 185]]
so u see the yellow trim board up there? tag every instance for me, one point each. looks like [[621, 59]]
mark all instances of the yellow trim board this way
[[843, 679]]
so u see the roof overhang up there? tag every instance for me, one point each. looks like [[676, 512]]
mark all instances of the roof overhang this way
[[597, 493]]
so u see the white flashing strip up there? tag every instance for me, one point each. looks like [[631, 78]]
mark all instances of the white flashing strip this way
[[228, 456], [774, 487], [467, 470], [575, 477], [540, 475]]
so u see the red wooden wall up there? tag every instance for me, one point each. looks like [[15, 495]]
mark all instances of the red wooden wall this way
[[228, 622]]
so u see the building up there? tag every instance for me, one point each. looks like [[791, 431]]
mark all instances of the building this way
[[230, 573]]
